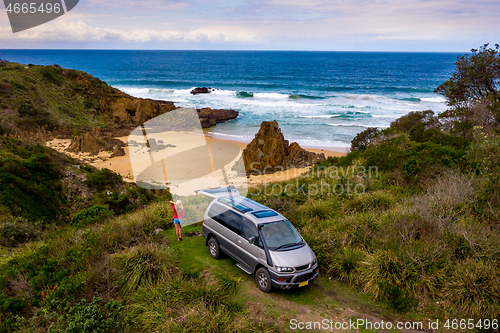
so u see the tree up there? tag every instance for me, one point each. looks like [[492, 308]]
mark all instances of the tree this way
[[473, 91], [476, 77], [363, 139]]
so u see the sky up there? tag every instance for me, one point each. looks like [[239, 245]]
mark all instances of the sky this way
[[315, 25]]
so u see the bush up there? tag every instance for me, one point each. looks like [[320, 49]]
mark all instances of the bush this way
[[5, 88], [406, 122], [16, 232], [363, 139], [51, 73], [91, 215], [398, 300], [93, 317], [102, 179]]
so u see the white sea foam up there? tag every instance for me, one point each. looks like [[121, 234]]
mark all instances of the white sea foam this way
[[438, 99], [321, 116], [357, 125], [299, 118]]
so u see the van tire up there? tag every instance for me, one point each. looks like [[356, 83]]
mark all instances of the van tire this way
[[263, 279], [213, 248]]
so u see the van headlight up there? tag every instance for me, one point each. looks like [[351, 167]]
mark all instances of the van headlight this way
[[284, 269], [315, 261]]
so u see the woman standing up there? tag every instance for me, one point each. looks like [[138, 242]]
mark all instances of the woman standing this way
[[178, 217]]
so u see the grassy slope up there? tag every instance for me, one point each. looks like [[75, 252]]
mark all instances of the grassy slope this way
[[164, 285], [425, 245], [38, 184], [53, 97]]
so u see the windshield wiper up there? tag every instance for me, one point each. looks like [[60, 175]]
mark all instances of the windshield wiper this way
[[285, 245]]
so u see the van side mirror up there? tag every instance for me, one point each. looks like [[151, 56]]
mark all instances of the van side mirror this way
[[252, 240]]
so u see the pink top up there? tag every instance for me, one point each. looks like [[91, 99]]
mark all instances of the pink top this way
[[177, 216]]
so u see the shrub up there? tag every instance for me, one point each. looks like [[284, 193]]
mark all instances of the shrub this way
[[16, 232], [363, 139], [5, 88], [406, 122], [51, 73], [397, 299], [91, 215], [444, 202], [93, 317], [102, 179]]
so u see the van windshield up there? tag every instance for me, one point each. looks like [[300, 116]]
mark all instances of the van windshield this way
[[280, 235]]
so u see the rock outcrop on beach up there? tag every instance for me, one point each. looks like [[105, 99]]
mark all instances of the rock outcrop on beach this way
[[130, 111], [269, 152], [94, 142], [202, 90], [211, 117]]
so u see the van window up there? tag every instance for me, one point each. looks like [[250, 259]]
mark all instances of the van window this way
[[248, 229], [226, 217]]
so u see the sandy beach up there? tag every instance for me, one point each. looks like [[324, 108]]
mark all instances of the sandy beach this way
[[123, 166]]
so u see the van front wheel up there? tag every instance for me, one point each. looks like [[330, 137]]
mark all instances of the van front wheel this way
[[263, 279], [213, 248]]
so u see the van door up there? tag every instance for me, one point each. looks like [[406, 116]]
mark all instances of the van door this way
[[249, 253], [227, 226]]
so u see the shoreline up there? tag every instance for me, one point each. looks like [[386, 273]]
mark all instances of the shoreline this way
[[123, 166]]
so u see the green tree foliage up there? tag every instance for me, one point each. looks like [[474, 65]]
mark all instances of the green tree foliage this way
[[476, 76], [406, 122], [363, 139], [473, 91]]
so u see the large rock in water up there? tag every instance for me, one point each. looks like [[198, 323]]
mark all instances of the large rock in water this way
[[270, 152], [211, 117], [202, 90]]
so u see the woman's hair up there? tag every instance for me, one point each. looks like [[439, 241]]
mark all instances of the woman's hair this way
[[178, 206]]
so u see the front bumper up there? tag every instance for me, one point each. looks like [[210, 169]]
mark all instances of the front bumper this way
[[291, 280]]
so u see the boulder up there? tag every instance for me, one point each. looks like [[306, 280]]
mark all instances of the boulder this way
[[269, 152], [135, 111], [94, 142], [211, 117], [202, 90]]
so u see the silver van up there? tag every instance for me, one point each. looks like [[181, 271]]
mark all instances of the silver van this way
[[262, 241]]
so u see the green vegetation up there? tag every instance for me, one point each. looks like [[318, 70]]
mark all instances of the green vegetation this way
[[53, 98], [405, 227], [91, 215], [41, 185]]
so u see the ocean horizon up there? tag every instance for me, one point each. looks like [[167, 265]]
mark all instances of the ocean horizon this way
[[319, 98]]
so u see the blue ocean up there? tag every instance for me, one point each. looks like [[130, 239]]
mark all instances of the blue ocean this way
[[320, 99]]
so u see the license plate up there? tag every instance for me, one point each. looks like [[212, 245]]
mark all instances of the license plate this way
[[305, 283]]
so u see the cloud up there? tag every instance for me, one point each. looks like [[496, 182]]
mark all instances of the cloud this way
[[147, 5], [82, 32]]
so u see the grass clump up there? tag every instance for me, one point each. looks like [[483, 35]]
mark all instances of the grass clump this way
[[144, 264]]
